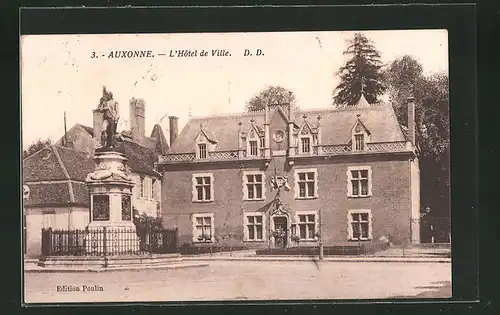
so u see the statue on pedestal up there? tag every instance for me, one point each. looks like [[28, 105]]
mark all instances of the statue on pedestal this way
[[110, 109]]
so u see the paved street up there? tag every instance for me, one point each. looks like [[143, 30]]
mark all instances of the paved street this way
[[248, 280]]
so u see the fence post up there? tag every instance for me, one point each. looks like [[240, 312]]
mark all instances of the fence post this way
[[49, 242], [77, 245], [176, 240], [104, 241], [43, 245]]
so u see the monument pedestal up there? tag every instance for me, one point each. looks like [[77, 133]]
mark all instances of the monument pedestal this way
[[111, 228]]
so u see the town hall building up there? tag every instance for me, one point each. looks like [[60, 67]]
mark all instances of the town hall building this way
[[279, 176]]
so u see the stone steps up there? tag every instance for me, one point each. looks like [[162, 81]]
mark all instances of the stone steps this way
[[111, 261]]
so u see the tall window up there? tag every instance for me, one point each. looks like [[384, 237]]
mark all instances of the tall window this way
[[359, 142], [202, 150], [305, 145], [142, 191], [49, 219], [203, 227], [153, 189], [253, 185], [254, 227], [359, 224], [359, 181], [307, 225], [262, 142], [253, 147], [202, 187], [306, 183]]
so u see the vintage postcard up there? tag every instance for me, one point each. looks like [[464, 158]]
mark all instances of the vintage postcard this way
[[236, 166]]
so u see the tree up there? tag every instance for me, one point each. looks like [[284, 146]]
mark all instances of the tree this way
[[36, 146], [145, 222], [273, 94], [361, 74], [404, 77]]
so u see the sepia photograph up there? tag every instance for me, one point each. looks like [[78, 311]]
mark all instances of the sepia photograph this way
[[188, 167]]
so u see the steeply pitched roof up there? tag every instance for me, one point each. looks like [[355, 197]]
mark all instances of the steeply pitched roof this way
[[43, 165], [336, 124], [161, 142], [55, 175], [140, 159], [90, 130], [49, 194], [77, 163]]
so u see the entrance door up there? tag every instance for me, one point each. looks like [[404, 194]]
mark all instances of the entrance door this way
[[280, 224]]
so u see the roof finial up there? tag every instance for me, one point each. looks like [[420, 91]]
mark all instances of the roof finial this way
[[362, 91], [201, 125], [189, 111], [305, 116], [357, 115]]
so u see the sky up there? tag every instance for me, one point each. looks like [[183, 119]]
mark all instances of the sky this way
[[58, 73]]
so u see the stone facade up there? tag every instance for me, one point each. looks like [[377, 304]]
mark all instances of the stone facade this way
[[56, 217], [147, 202], [352, 176], [390, 203]]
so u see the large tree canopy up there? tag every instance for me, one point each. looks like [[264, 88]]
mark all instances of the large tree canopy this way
[[36, 146], [273, 94], [404, 77], [361, 73]]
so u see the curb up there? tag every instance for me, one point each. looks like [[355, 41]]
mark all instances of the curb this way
[[263, 259], [124, 268]]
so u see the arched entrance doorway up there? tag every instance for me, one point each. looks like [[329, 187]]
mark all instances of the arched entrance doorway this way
[[280, 225]]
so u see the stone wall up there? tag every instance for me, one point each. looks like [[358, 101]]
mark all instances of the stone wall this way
[[390, 203]]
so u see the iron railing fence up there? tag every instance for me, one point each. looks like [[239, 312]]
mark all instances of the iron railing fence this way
[[435, 229], [108, 241]]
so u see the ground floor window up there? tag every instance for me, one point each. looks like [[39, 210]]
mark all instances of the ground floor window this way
[[203, 227], [254, 226], [49, 219], [306, 225], [360, 227]]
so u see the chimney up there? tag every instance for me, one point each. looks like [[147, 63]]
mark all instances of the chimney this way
[[173, 122], [98, 120], [411, 118], [137, 119]]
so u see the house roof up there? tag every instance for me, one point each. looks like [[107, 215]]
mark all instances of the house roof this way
[[161, 142], [56, 175], [336, 125], [140, 159], [90, 130]]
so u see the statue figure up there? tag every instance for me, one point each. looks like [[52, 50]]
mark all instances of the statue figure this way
[[110, 109]]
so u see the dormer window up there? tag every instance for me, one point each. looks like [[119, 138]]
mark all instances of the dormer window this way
[[305, 145], [360, 136], [254, 141], [305, 138], [253, 148], [359, 142], [205, 142], [202, 150]]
